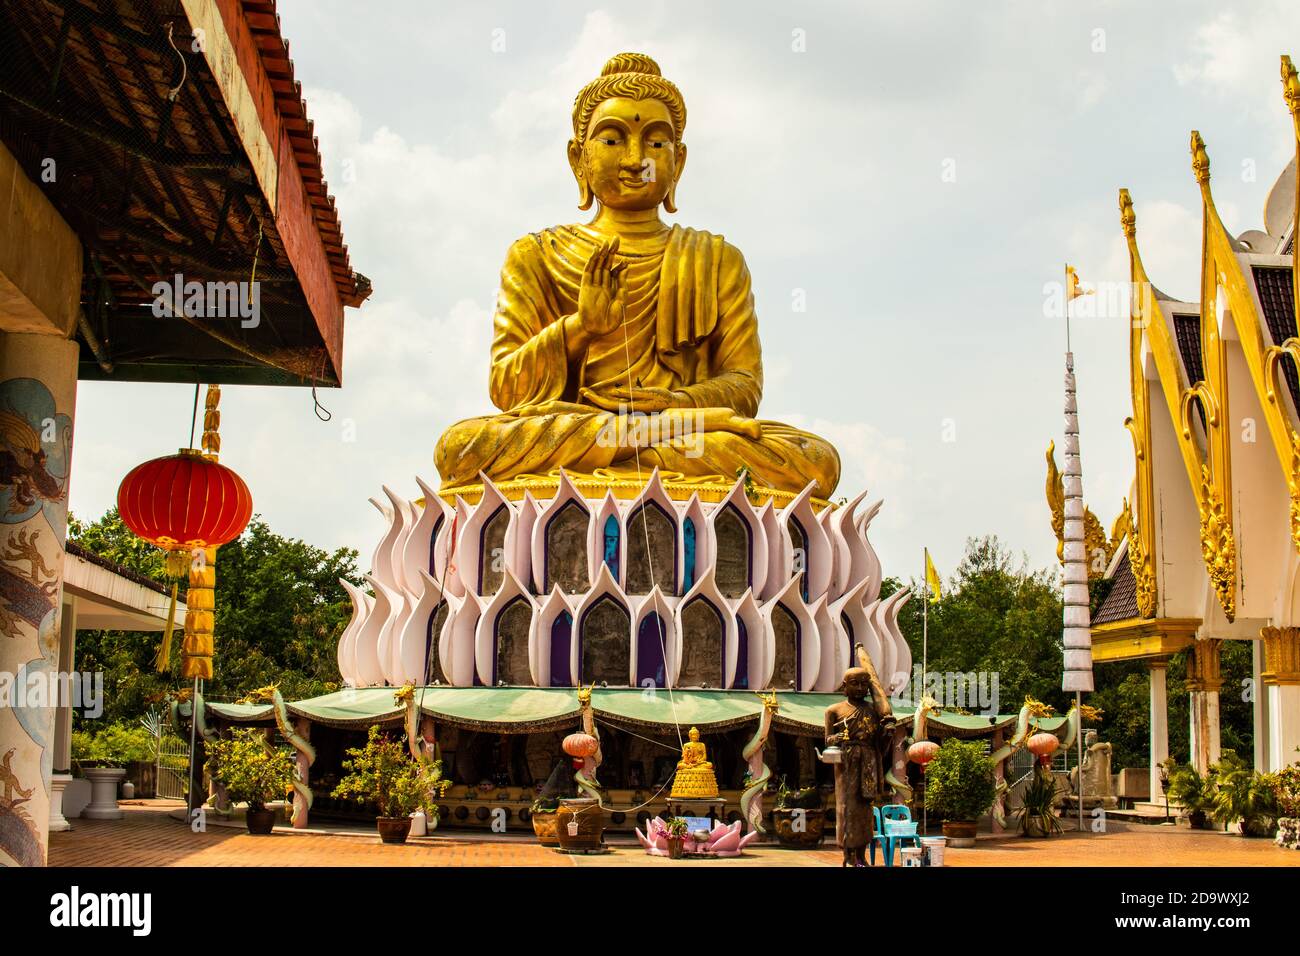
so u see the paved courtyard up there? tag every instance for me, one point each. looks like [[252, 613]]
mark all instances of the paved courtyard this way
[[150, 836]]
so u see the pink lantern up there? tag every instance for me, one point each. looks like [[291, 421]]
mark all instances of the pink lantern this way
[[1043, 745], [922, 752], [581, 745]]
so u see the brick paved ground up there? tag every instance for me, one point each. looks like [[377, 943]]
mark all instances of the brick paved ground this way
[[148, 836]]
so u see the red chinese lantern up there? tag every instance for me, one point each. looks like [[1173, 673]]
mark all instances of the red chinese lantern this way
[[581, 745], [184, 501], [922, 752], [187, 504], [1043, 745]]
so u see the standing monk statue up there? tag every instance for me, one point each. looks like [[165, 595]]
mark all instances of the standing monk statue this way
[[603, 323], [862, 726]]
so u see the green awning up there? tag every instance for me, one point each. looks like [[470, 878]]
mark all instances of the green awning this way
[[538, 709]]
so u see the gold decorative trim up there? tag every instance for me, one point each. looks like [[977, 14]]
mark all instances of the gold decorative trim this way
[[1281, 655], [544, 487], [1140, 564], [1140, 639], [1205, 665], [1218, 549], [1094, 535]]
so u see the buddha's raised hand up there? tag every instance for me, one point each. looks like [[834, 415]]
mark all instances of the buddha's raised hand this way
[[603, 293]]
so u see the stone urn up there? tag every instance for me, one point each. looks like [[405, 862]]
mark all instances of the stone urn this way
[[103, 793], [580, 824]]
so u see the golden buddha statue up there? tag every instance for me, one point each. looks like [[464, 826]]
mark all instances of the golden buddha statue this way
[[599, 325], [694, 779]]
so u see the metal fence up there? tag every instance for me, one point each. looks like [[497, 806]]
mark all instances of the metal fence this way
[[173, 767]]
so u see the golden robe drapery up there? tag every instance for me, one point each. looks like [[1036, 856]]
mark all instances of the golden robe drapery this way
[[689, 327]]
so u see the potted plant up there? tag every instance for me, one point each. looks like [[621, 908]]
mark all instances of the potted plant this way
[[384, 773], [102, 758], [675, 834], [1193, 792], [1246, 796], [959, 787], [253, 772], [1286, 788], [1037, 810], [799, 817], [544, 814]]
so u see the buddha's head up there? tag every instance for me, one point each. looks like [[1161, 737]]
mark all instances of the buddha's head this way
[[693, 735], [627, 147], [857, 683]]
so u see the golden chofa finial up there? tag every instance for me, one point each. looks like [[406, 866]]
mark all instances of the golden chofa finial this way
[[1200, 160], [1127, 218], [1291, 90]]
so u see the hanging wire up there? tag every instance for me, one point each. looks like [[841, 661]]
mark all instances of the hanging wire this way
[[645, 527], [176, 90], [194, 416]]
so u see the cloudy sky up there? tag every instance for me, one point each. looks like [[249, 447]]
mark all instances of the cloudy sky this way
[[917, 173]]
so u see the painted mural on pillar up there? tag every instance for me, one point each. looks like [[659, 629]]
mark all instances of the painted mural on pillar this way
[[35, 461]]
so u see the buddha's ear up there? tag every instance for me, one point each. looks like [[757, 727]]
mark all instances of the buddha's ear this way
[[580, 174], [670, 201]]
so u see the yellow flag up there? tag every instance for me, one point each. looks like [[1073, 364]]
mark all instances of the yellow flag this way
[[1073, 289], [932, 579]]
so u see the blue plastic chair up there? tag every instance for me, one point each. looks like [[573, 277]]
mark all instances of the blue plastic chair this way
[[893, 812]]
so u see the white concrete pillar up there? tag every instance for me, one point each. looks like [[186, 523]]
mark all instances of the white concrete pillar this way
[[1158, 669], [1259, 709], [67, 665], [1204, 679], [38, 385], [1281, 678]]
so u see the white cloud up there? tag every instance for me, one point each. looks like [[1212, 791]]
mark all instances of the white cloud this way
[[923, 298]]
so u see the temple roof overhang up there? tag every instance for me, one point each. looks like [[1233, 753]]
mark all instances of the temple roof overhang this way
[[113, 598], [171, 135], [543, 709]]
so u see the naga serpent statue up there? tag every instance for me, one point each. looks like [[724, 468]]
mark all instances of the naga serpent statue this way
[[1031, 711], [585, 777], [751, 801], [306, 752], [218, 798]]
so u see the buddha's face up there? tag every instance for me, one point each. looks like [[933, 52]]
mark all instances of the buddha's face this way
[[630, 158], [856, 686]]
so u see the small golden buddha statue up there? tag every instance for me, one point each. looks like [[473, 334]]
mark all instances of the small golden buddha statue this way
[[599, 325], [695, 778]]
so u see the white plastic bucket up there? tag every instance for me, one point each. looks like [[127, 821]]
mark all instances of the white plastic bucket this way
[[933, 850], [910, 855]]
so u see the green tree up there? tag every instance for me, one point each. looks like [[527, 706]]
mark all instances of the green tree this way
[[995, 616], [998, 615], [279, 612]]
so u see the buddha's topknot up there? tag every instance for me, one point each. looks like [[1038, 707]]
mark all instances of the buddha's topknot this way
[[633, 75], [631, 63]]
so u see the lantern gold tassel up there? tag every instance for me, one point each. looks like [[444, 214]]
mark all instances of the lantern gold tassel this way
[[175, 566], [163, 662]]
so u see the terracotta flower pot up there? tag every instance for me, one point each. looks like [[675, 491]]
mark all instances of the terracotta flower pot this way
[[545, 823], [806, 836], [393, 829], [960, 833], [260, 822], [676, 848]]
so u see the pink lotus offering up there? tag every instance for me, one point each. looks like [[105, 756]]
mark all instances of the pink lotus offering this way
[[723, 840]]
